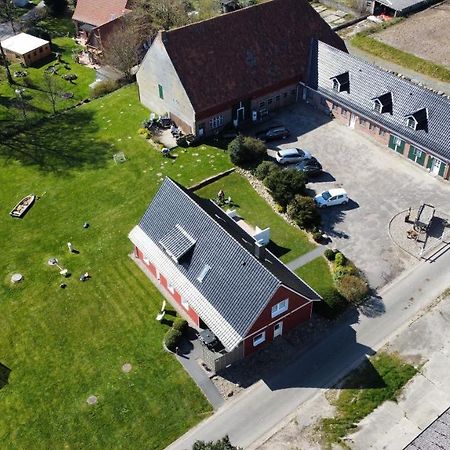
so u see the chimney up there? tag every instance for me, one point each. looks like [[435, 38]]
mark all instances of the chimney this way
[[259, 250]]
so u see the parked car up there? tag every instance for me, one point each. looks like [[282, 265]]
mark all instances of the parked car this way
[[292, 155], [309, 166], [331, 197], [274, 133]]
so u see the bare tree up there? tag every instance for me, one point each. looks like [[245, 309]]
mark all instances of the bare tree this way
[[151, 16], [122, 48], [6, 65], [53, 89]]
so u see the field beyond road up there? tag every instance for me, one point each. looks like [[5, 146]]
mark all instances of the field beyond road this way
[[425, 34]]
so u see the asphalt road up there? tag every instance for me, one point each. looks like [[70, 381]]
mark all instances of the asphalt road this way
[[255, 414]]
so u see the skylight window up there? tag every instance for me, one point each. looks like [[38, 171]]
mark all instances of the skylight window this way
[[203, 273]]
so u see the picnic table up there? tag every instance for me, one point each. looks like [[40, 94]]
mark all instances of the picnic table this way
[[207, 337]]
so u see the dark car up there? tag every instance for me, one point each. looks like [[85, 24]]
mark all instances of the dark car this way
[[274, 133], [309, 166]]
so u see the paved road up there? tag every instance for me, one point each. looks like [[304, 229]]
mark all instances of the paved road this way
[[254, 415]]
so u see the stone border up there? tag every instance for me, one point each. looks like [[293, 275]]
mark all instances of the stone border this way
[[211, 180]]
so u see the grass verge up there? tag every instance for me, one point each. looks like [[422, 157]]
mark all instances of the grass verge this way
[[365, 42], [287, 242], [317, 274], [378, 379]]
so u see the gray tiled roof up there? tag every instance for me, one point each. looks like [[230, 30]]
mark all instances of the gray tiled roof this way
[[401, 5], [237, 285], [435, 437], [367, 82]]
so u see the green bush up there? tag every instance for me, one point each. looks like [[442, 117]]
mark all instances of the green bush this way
[[303, 212], [104, 87], [341, 271], [332, 305], [246, 150], [284, 185], [352, 288], [330, 254], [180, 324], [172, 338], [317, 236], [144, 132], [264, 169], [340, 259]]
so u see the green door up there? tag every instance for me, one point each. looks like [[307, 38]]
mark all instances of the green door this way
[[412, 153], [396, 144], [442, 169], [420, 157], [392, 139], [430, 162]]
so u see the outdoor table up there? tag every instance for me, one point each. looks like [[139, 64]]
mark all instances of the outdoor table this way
[[207, 337]]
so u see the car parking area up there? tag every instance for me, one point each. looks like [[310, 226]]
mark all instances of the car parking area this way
[[379, 183]]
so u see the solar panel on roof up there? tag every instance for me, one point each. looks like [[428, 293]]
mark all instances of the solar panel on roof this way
[[177, 242]]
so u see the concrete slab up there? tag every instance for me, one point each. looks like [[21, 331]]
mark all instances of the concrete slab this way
[[432, 400]]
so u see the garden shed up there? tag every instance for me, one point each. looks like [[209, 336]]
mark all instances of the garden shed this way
[[26, 48]]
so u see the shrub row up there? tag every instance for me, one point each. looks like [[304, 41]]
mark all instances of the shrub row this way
[[348, 279], [287, 187]]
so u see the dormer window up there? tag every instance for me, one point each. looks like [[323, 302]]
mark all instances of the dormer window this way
[[383, 103], [418, 120], [341, 82], [411, 123]]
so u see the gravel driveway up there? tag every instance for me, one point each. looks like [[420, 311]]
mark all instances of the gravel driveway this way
[[379, 182]]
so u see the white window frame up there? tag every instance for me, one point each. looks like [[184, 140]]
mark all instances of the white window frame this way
[[411, 123], [170, 287], [336, 85], [280, 326], [216, 122], [377, 106], [259, 339], [146, 261], [280, 308], [184, 303]]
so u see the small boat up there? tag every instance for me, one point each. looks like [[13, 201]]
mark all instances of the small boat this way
[[23, 206]]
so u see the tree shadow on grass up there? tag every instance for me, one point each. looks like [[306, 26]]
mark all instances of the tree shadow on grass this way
[[4, 375], [55, 145]]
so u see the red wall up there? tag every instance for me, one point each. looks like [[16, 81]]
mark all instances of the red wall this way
[[163, 282], [290, 319]]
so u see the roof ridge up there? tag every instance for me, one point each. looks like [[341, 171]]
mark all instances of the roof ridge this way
[[185, 191], [281, 282]]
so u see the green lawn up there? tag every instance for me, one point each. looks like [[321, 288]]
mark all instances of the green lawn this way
[[378, 379], [317, 274], [288, 242], [63, 345], [57, 26], [37, 102]]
